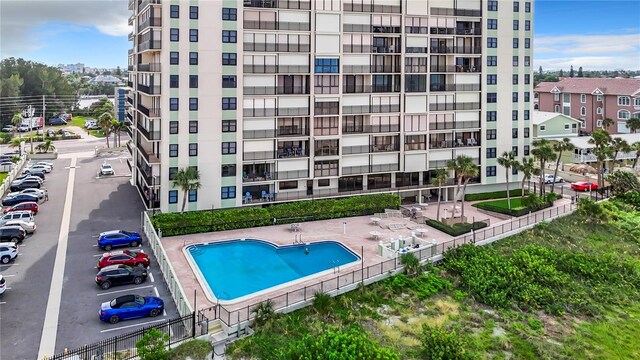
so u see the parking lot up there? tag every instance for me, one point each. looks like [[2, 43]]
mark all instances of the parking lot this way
[[95, 204]]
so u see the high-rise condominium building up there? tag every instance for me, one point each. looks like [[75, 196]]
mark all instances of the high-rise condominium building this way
[[280, 100]]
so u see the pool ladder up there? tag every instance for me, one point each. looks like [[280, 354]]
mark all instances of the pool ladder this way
[[197, 251], [336, 266], [298, 239]]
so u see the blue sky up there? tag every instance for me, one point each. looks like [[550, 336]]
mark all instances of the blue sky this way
[[593, 34]]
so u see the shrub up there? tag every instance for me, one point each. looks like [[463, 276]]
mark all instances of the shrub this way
[[530, 203], [632, 198], [423, 286], [622, 182], [322, 302], [493, 195], [194, 349], [152, 345], [456, 229], [411, 264], [439, 344], [264, 312], [246, 217], [592, 211]]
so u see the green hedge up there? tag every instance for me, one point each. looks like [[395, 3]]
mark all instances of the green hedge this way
[[456, 229], [193, 222], [512, 212], [493, 195]]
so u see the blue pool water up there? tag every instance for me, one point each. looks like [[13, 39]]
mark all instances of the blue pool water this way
[[241, 267]]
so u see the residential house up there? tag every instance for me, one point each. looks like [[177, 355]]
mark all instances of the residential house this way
[[554, 126]]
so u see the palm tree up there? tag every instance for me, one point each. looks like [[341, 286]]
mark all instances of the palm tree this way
[[560, 147], [601, 139], [527, 167], [105, 121], [187, 179], [116, 128], [440, 176], [633, 124], [507, 161], [15, 143], [543, 152], [618, 145], [16, 120], [464, 170], [606, 123], [636, 147], [46, 147]]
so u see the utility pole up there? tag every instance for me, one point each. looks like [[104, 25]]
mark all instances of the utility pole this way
[[44, 116]]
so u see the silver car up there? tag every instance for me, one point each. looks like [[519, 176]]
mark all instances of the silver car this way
[[25, 224]]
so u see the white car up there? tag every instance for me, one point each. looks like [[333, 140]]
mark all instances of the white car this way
[[46, 163], [8, 252], [40, 193], [44, 168], [106, 169], [25, 224], [549, 179], [25, 215], [3, 285]]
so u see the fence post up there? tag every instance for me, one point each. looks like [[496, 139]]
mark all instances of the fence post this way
[[193, 324]]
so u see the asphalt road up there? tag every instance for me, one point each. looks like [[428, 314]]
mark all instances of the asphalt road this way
[[98, 204]]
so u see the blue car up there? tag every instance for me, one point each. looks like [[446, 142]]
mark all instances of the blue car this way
[[18, 199], [130, 307], [110, 239]]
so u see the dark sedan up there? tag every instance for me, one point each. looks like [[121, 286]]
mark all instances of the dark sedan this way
[[39, 174], [56, 121], [18, 199], [25, 184], [120, 275]]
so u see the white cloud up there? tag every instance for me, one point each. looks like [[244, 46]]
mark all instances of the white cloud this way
[[19, 20], [592, 52]]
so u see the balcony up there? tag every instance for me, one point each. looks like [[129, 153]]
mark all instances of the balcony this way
[[365, 149], [448, 143], [278, 4], [129, 100], [150, 135], [475, 50], [454, 68], [416, 50], [130, 52], [149, 89], [453, 125], [454, 106], [131, 4], [326, 151], [145, 171], [288, 152], [276, 25], [469, 31], [272, 90], [131, 36], [151, 200], [292, 174], [455, 12], [144, 3], [274, 69], [154, 112], [256, 172], [359, 49], [258, 155], [276, 47], [367, 109], [150, 45], [364, 129], [265, 112], [454, 87], [393, 49], [360, 7], [150, 157], [367, 169], [152, 21], [385, 69], [149, 67], [356, 69], [258, 134]]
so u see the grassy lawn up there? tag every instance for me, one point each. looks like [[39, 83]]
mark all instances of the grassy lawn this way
[[79, 121], [516, 203], [576, 297], [3, 176]]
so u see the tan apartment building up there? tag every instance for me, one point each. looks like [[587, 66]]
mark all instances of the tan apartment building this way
[[592, 100], [281, 100]]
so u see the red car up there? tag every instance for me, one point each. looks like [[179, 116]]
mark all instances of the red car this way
[[126, 257], [33, 206], [584, 186]]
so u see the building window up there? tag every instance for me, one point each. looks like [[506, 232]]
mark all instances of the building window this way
[[624, 115], [230, 14], [173, 150], [193, 81], [229, 36], [492, 79], [174, 34], [527, 25], [516, 43], [527, 43], [492, 42], [514, 150], [516, 24], [193, 149], [556, 108], [492, 60], [527, 60], [526, 150], [583, 124], [172, 172], [516, 6], [173, 127], [228, 147], [624, 101], [173, 196], [229, 81], [599, 123], [599, 111], [228, 170], [567, 126], [492, 24], [527, 6], [229, 103], [229, 125], [514, 79], [491, 134], [514, 115], [526, 114], [193, 127], [556, 97], [583, 111], [193, 58], [173, 104], [514, 133], [526, 133], [492, 97], [228, 192], [514, 96], [174, 58], [193, 104], [527, 79], [492, 5], [636, 102], [599, 98], [543, 127], [491, 153], [515, 60], [492, 115], [193, 35], [193, 195], [514, 170], [174, 81], [327, 66], [193, 12], [175, 11], [229, 58], [527, 96], [491, 171]]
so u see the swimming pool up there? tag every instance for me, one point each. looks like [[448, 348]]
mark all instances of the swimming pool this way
[[237, 268]]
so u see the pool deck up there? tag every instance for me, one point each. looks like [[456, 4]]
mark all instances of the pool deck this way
[[357, 238]]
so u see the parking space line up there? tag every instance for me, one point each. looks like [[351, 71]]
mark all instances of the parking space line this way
[[130, 326], [4, 302], [97, 255], [16, 264], [8, 275], [52, 313], [119, 291], [155, 290], [151, 276]]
